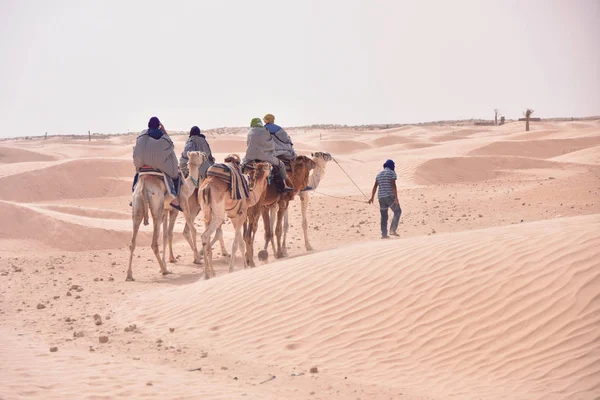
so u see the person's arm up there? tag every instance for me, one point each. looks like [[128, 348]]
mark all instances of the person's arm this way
[[373, 192], [395, 190]]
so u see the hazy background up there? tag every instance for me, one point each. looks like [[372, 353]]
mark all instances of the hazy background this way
[[107, 66]]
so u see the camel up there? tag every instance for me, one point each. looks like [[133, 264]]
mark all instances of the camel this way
[[321, 159], [149, 193], [272, 198], [189, 192], [215, 202]]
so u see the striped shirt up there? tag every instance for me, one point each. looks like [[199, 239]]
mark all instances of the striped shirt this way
[[384, 180]]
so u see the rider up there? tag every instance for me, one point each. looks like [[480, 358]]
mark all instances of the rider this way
[[260, 146], [196, 142], [154, 148], [284, 148]]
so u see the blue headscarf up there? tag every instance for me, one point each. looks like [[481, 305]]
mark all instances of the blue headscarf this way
[[389, 164]]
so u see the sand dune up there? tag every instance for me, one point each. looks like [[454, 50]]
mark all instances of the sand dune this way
[[23, 223], [11, 155], [538, 148], [473, 169], [474, 314], [73, 179], [492, 292], [89, 212]]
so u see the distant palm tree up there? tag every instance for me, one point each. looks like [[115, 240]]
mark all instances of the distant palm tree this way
[[496, 116], [527, 115]]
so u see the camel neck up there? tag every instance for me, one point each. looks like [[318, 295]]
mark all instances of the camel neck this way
[[194, 177], [317, 175], [258, 191]]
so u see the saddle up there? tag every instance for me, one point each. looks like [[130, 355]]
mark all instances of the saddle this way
[[231, 174], [274, 176], [171, 184]]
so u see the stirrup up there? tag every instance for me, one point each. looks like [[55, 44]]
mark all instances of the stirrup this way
[[307, 189], [177, 207]]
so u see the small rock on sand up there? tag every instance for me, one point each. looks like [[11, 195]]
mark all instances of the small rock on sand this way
[[40, 306], [314, 370], [171, 330], [103, 339], [53, 349]]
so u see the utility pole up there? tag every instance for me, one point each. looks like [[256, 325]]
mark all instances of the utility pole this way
[[89, 136]]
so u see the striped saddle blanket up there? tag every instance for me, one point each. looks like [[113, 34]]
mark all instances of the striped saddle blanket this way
[[231, 174]]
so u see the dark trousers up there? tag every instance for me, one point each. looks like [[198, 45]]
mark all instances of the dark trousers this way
[[384, 204]]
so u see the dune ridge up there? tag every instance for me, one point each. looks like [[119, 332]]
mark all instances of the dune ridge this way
[[479, 313]]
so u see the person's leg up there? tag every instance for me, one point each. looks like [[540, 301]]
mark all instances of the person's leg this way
[[384, 220], [283, 175], [174, 191], [135, 179], [395, 219], [384, 204]]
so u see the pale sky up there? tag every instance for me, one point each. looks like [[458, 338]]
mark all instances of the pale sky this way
[[108, 66]]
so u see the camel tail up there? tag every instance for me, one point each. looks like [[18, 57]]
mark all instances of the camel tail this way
[[145, 200]]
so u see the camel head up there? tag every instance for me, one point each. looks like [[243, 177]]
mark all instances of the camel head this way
[[321, 157], [303, 162], [196, 159], [257, 172]]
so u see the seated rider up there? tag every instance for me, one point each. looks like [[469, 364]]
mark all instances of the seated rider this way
[[196, 142], [284, 148], [260, 146], [155, 149]]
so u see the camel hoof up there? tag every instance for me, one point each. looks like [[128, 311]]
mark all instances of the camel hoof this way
[[129, 279], [263, 255], [279, 255], [166, 272], [172, 260], [309, 248]]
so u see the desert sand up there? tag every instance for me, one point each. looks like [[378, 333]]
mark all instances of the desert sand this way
[[491, 292]]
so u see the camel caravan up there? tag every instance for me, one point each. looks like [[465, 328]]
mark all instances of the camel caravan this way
[[262, 184]]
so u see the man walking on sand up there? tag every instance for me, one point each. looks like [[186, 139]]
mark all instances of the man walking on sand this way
[[388, 198]]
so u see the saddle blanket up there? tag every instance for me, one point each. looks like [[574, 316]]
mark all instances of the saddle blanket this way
[[172, 186], [231, 174]]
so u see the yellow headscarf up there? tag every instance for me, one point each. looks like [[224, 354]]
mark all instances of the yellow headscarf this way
[[269, 119]]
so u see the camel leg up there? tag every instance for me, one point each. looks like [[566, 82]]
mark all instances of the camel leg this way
[[190, 234], [172, 219], [269, 218], [157, 217], [165, 227], [242, 244], [304, 205], [215, 220], [237, 225], [286, 226], [190, 216], [137, 220], [219, 237], [279, 228], [249, 233]]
